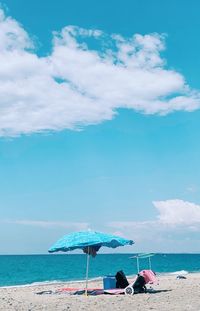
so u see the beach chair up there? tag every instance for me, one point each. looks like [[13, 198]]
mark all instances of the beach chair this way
[[143, 256], [143, 278]]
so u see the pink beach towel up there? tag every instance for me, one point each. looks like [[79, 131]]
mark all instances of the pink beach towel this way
[[114, 291], [72, 289]]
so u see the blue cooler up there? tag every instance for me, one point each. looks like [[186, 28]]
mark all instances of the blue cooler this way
[[109, 282]]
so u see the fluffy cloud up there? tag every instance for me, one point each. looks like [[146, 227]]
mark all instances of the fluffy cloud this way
[[177, 212], [177, 227], [85, 79]]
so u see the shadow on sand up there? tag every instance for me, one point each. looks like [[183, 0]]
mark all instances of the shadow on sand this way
[[155, 291]]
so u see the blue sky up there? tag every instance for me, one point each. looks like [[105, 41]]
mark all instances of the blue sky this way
[[99, 123]]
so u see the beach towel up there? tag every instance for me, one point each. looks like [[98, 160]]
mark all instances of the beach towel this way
[[114, 291], [90, 292], [95, 292], [76, 291]]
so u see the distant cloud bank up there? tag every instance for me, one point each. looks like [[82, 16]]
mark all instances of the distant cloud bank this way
[[176, 227], [48, 224], [86, 78]]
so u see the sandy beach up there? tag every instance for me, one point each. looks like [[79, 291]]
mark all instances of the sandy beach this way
[[170, 294]]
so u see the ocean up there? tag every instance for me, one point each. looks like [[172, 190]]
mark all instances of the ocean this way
[[34, 269]]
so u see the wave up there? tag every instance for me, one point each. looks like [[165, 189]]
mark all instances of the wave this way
[[181, 272], [42, 283]]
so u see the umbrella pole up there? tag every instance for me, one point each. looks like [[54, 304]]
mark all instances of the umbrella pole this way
[[138, 266], [87, 269], [149, 263]]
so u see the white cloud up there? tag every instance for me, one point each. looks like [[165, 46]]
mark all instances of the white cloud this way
[[178, 212], [176, 228], [79, 84], [12, 35]]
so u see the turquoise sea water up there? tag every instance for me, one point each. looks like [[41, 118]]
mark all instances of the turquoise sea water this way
[[28, 269]]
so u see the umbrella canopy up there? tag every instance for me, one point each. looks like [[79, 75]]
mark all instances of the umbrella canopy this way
[[84, 239], [90, 242]]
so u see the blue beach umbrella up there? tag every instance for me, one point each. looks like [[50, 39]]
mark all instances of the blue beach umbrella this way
[[90, 242]]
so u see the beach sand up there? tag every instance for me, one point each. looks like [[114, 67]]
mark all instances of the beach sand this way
[[171, 294]]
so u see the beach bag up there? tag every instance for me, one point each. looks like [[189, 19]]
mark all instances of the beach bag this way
[[139, 285], [121, 280]]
